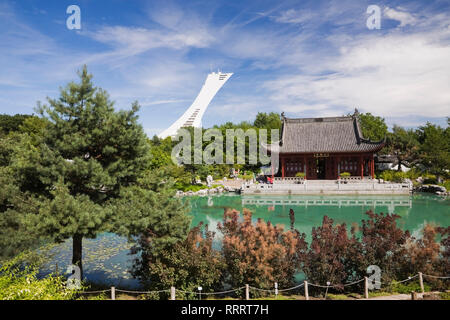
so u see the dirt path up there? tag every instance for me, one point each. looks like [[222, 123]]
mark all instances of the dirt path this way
[[396, 297]]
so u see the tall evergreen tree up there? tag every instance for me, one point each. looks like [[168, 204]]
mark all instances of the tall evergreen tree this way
[[403, 145], [93, 154], [18, 155], [435, 149]]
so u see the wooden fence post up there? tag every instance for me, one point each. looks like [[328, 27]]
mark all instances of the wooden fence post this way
[[172, 293], [247, 292], [366, 288], [421, 282], [413, 295], [276, 288], [306, 290], [113, 293]]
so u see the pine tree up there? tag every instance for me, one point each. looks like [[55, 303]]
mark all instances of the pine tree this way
[[435, 149], [403, 144], [17, 155], [92, 153]]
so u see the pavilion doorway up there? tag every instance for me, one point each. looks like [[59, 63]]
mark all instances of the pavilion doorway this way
[[321, 168]]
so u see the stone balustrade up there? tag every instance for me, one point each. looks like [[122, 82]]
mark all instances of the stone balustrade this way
[[292, 186]]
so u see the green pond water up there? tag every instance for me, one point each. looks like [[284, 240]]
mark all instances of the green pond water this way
[[106, 259]]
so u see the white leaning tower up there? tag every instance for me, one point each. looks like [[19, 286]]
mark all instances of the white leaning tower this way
[[193, 116]]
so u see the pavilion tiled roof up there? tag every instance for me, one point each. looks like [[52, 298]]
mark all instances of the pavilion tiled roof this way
[[325, 135]]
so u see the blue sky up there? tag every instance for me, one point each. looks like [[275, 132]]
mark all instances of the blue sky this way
[[306, 58]]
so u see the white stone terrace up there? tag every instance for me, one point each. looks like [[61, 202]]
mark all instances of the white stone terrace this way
[[350, 185]]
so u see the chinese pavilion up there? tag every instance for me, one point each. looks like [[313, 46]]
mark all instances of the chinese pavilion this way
[[323, 148]]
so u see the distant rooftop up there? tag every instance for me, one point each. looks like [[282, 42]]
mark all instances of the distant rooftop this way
[[329, 135]]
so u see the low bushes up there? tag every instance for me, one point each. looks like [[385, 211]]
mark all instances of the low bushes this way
[[258, 253], [446, 184], [18, 281], [248, 175], [189, 187], [407, 287], [413, 174], [184, 265], [394, 176]]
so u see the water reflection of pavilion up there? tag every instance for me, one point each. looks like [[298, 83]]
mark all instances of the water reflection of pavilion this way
[[390, 202]]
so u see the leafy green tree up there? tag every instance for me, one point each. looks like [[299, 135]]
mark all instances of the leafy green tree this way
[[11, 123], [160, 152], [267, 121], [435, 149], [373, 127]]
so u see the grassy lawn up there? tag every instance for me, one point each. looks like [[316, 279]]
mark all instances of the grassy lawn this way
[[281, 297], [445, 295], [381, 294]]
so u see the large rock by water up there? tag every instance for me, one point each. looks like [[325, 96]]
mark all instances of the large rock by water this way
[[433, 188]]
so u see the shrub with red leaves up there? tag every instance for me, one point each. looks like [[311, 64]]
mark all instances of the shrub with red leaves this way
[[333, 256], [384, 245], [260, 253]]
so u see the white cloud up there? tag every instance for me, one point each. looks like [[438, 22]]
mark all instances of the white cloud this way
[[336, 12], [403, 17], [393, 75], [134, 41], [295, 16]]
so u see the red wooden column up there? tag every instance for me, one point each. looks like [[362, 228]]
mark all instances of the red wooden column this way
[[338, 169], [335, 174], [372, 167], [305, 167], [361, 166], [282, 168]]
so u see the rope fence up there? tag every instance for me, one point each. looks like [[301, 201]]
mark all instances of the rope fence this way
[[427, 275], [142, 292], [223, 292], [273, 291], [92, 292]]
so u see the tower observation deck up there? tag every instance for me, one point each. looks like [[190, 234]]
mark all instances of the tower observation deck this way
[[192, 117]]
